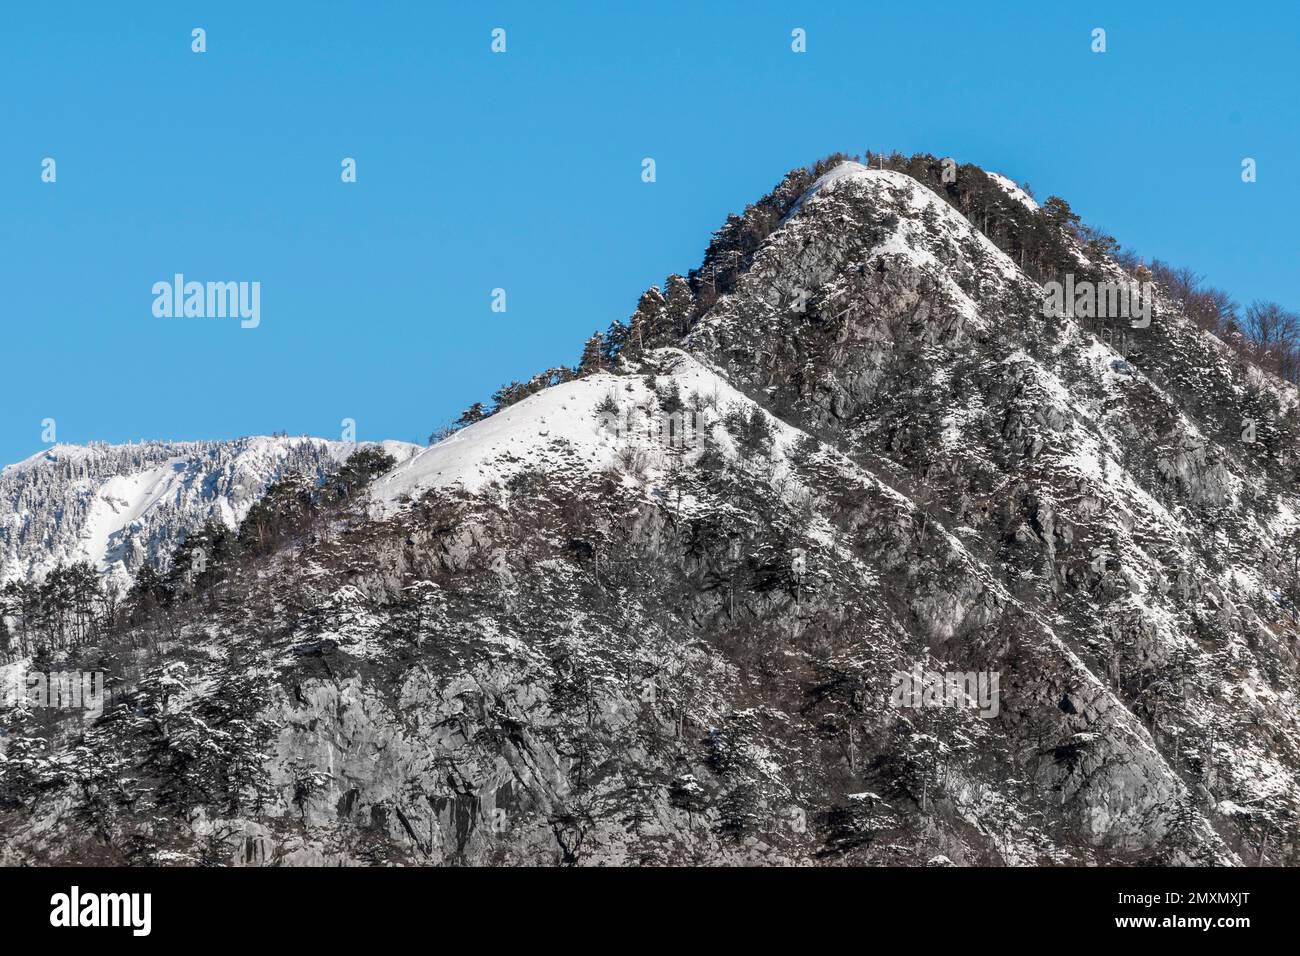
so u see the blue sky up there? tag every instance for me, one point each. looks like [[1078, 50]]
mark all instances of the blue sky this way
[[522, 171]]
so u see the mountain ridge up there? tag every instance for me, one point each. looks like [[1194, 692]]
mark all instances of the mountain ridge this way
[[124, 505]]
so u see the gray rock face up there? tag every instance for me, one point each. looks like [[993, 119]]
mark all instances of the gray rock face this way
[[776, 641]]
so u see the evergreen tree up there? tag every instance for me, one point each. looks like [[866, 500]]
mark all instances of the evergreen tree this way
[[650, 320], [593, 355], [283, 512], [508, 395], [363, 467], [202, 559], [617, 338], [148, 592], [679, 306], [475, 413]]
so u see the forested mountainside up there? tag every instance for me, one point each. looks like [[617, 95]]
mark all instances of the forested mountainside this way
[[657, 609]]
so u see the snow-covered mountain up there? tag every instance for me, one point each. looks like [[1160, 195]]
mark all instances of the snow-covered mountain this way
[[117, 506], [665, 611]]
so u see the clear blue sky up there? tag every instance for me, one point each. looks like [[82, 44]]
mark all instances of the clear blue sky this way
[[522, 171]]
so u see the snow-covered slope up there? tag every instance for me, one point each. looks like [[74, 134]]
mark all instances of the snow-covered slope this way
[[1014, 191], [555, 429], [117, 506], [589, 425]]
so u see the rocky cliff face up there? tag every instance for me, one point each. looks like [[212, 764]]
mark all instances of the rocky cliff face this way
[[874, 564]]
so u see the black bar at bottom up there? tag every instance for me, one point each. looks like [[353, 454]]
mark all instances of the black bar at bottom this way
[[364, 905]]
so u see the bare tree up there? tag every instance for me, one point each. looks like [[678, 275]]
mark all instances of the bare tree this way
[[1276, 332]]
